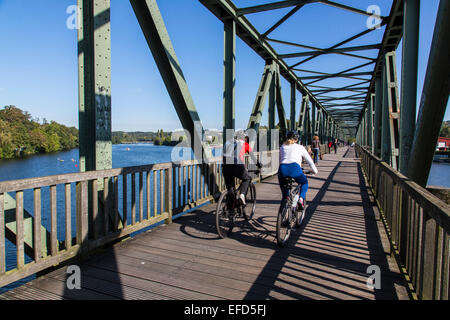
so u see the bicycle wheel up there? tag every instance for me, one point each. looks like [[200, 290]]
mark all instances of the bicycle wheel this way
[[224, 219], [250, 199], [283, 224]]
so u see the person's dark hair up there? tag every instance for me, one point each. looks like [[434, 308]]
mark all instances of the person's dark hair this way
[[292, 135]]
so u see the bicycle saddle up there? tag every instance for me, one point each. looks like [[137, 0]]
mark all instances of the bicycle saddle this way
[[290, 180]]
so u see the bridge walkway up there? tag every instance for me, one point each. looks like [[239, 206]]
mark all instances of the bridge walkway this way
[[328, 258]]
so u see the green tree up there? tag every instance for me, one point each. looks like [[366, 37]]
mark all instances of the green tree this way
[[21, 134], [445, 131]]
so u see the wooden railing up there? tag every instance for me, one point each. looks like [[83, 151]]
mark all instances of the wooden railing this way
[[99, 207], [418, 224]]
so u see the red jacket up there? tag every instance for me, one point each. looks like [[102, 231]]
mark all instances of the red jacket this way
[[245, 149]]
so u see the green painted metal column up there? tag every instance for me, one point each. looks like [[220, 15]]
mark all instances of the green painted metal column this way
[[320, 124], [293, 103], [94, 74], [378, 115], [309, 125], [385, 131], [371, 122], [229, 76], [302, 118], [411, 13], [394, 108], [94, 61], [363, 129], [317, 120], [434, 99], [313, 116], [366, 125], [272, 102]]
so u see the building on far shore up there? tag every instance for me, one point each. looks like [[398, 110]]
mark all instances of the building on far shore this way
[[443, 144]]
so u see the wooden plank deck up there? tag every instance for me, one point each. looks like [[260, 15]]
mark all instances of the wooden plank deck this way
[[326, 259]]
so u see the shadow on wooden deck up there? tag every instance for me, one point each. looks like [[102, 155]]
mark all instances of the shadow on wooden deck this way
[[327, 258]]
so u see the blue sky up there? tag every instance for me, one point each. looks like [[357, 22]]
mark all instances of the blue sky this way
[[39, 58]]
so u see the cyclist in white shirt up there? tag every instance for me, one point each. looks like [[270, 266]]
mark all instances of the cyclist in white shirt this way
[[291, 156]]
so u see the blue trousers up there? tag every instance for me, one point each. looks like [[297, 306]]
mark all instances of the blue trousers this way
[[292, 170], [316, 154]]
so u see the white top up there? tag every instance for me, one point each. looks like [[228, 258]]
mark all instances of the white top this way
[[295, 153]]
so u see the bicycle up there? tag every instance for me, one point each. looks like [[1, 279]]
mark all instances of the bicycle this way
[[290, 214], [229, 208]]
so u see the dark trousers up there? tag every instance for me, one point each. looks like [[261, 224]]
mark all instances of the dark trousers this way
[[230, 171]]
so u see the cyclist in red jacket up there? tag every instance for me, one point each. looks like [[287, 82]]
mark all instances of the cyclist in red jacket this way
[[234, 163]]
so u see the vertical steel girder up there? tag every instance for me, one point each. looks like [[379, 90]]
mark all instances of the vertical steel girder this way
[[366, 127], [313, 120], [434, 99], [94, 63], [272, 103], [293, 103], [378, 110], [94, 80], [394, 108], [158, 40], [385, 130], [318, 126], [229, 76], [301, 121], [258, 106], [411, 13], [330, 121], [308, 140], [322, 126], [371, 122]]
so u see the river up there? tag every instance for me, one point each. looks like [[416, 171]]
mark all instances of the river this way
[[127, 155], [124, 155]]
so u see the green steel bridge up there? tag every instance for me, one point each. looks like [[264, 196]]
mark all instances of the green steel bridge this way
[[369, 204]]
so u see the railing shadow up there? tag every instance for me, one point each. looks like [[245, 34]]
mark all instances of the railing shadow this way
[[342, 265], [387, 290]]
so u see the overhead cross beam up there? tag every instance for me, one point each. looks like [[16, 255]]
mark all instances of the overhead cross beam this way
[[359, 35], [272, 6], [348, 8], [344, 75], [279, 22], [318, 49], [341, 73], [329, 51], [291, 3]]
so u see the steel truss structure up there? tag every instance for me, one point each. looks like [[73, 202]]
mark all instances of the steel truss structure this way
[[369, 106]]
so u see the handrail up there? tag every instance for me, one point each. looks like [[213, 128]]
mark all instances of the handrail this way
[[418, 224], [102, 206]]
